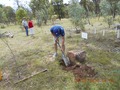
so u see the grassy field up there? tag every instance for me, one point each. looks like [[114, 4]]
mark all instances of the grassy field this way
[[32, 55]]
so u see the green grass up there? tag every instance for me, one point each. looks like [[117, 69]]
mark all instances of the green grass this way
[[34, 54]]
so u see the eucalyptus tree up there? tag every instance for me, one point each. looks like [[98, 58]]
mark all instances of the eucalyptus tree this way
[[109, 9], [88, 6], [76, 14], [105, 8], [114, 9], [97, 7], [40, 10], [10, 14], [51, 11], [20, 13], [118, 6], [65, 10], [17, 3], [1, 5], [58, 8], [4, 18], [1, 17]]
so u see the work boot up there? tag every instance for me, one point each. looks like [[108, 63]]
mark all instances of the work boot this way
[[55, 55]]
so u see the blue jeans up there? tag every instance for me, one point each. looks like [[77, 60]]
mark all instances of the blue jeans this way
[[26, 29]]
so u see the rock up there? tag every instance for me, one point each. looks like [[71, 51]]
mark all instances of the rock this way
[[7, 34], [76, 56]]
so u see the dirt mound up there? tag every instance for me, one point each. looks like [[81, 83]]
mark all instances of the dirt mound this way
[[81, 71]]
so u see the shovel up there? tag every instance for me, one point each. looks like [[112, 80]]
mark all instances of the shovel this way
[[65, 59]]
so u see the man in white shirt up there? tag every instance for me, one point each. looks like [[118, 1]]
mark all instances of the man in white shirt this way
[[25, 25]]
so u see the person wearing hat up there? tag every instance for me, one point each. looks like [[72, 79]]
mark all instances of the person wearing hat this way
[[58, 32], [25, 25]]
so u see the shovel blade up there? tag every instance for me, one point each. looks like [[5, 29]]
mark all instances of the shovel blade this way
[[66, 60]]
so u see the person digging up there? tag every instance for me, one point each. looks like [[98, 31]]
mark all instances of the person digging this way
[[58, 33]]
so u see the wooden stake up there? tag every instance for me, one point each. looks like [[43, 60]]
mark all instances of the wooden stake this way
[[94, 31], [44, 70], [118, 33], [103, 32]]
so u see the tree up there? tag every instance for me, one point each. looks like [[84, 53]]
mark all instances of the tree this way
[[20, 13], [4, 18], [113, 4], [50, 11], [88, 6], [10, 14], [97, 7], [76, 13], [105, 7], [106, 11], [65, 10], [118, 6], [1, 18], [40, 9], [1, 6], [58, 8], [17, 3]]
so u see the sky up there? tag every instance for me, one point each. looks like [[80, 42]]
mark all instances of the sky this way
[[13, 4]]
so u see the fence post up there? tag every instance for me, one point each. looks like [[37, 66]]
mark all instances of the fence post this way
[[94, 31], [118, 33], [103, 32]]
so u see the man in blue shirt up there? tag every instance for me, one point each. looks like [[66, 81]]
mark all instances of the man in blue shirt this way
[[58, 32]]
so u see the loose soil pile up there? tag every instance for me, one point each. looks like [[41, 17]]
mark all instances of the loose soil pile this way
[[80, 71]]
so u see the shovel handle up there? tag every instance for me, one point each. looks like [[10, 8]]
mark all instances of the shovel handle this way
[[59, 46]]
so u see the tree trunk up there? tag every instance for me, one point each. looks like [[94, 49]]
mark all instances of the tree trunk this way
[[114, 13], [87, 14]]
